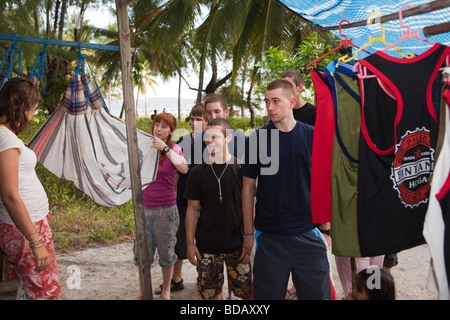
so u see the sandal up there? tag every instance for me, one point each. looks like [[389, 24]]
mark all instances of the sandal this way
[[174, 286]]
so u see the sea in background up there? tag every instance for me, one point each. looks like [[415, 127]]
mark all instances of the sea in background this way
[[159, 104]]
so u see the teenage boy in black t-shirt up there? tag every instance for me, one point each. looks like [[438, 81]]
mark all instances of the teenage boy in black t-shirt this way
[[303, 111], [214, 236]]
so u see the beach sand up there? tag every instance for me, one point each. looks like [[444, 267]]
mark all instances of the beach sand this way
[[109, 273]]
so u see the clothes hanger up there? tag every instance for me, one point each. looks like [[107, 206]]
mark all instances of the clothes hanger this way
[[343, 42], [373, 39], [407, 34], [362, 74]]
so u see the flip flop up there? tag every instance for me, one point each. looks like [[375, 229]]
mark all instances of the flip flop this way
[[174, 286]]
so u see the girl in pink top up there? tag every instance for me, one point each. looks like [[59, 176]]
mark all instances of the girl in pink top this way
[[160, 209]]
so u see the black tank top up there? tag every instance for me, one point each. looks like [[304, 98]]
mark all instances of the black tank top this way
[[397, 143]]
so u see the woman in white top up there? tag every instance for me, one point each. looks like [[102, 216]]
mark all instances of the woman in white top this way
[[25, 237]]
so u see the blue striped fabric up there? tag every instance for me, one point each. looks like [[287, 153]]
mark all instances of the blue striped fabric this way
[[327, 13]]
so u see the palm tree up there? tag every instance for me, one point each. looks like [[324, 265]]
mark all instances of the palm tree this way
[[174, 34], [142, 78], [242, 31]]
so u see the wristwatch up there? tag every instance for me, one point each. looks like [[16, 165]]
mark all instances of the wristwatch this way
[[165, 150], [327, 232]]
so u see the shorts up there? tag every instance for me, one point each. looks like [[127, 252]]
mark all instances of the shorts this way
[[20, 262], [211, 276], [180, 247], [161, 225], [302, 256]]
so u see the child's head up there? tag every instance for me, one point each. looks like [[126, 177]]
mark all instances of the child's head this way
[[198, 119], [374, 283]]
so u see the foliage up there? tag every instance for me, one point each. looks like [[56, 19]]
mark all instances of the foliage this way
[[244, 123], [225, 40], [278, 61]]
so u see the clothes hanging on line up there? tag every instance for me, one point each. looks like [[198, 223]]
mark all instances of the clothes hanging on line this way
[[82, 142], [437, 216], [344, 169], [444, 201], [322, 149], [397, 149]]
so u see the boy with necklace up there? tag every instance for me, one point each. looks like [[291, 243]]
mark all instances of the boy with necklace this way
[[214, 236]]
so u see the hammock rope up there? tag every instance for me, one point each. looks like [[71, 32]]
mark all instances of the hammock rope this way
[[9, 70], [37, 70]]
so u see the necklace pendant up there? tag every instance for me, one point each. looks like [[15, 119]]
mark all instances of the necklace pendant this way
[[220, 199]]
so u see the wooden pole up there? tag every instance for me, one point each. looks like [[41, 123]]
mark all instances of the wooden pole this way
[[130, 119], [424, 8], [436, 29]]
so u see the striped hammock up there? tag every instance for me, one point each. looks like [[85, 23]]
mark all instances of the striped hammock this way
[[82, 142]]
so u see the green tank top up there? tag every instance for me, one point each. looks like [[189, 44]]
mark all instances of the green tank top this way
[[344, 171]]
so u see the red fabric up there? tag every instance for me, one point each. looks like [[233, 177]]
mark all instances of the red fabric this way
[[322, 152], [20, 262]]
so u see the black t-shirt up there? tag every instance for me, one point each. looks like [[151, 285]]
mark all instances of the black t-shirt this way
[[220, 225], [306, 114]]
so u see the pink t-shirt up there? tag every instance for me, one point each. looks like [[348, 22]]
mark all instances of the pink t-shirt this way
[[161, 192]]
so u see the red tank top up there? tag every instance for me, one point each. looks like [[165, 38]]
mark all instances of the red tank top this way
[[322, 151]]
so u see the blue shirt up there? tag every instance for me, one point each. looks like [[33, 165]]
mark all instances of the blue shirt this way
[[283, 197]]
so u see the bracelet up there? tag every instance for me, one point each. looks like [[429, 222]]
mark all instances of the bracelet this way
[[36, 241], [42, 244], [248, 235], [327, 232], [31, 233]]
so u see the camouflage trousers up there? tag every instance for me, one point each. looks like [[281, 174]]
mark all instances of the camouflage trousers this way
[[211, 275]]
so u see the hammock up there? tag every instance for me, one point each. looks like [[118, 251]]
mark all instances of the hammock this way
[[82, 142]]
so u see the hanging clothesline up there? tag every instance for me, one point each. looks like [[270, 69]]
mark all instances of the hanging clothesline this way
[[59, 42], [326, 15], [425, 8]]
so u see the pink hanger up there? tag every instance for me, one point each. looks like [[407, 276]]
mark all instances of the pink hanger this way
[[363, 71], [407, 34]]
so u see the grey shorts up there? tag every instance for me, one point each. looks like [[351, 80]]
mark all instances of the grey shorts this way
[[161, 225]]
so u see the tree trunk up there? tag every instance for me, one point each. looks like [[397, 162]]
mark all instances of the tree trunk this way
[[55, 18], [179, 96], [56, 71], [250, 104], [200, 84], [62, 19]]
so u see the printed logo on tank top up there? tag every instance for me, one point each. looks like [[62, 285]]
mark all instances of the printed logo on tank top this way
[[412, 166]]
